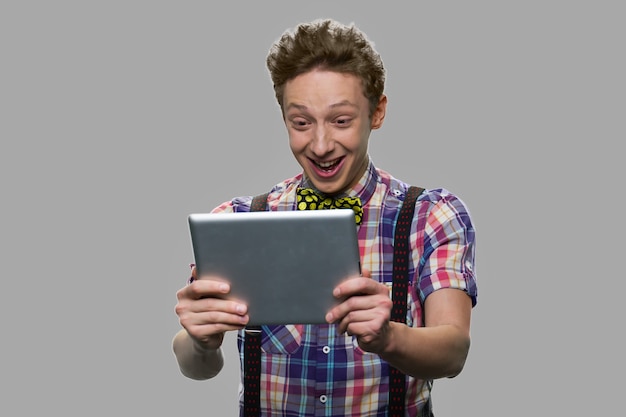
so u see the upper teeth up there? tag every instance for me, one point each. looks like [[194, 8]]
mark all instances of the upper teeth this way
[[326, 164]]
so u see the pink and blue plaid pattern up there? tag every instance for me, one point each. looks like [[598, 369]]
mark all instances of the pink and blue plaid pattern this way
[[309, 370]]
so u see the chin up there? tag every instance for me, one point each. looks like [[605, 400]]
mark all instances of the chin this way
[[329, 190]]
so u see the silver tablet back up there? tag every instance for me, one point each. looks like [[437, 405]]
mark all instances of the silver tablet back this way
[[283, 264]]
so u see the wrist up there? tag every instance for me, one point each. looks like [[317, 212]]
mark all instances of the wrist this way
[[212, 344], [389, 349]]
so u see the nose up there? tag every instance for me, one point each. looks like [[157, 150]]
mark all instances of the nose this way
[[321, 141]]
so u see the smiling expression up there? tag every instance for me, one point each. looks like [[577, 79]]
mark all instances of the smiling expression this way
[[328, 122]]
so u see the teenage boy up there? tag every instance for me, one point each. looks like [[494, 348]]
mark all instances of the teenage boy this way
[[329, 83]]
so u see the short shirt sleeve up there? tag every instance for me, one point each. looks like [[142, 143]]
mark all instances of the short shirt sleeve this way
[[448, 256]]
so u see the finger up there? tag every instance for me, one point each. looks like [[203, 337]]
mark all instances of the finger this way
[[193, 305], [215, 317], [365, 325], [203, 288], [219, 305], [359, 286], [356, 323], [340, 313], [219, 319], [356, 306], [207, 331]]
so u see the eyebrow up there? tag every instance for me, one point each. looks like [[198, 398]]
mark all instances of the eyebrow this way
[[302, 107]]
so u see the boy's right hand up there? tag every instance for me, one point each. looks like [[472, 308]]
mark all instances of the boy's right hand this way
[[206, 313]]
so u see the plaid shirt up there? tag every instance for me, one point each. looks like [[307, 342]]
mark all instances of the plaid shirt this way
[[309, 370]]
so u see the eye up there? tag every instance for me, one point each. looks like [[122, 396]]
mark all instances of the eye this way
[[299, 123], [343, 121]]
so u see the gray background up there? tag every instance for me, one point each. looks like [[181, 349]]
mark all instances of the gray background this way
[[119, 118]]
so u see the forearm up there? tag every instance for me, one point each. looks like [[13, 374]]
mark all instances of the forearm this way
[[427, 352], [194, 361]]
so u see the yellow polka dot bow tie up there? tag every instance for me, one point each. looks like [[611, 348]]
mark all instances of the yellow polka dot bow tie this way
[[308, 199]]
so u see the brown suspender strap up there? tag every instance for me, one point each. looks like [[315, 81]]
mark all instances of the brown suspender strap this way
[[259, 203], [252, 373], [252, 348], [399, 292]]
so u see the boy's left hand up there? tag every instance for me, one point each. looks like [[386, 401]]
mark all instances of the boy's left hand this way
[[365, 311]]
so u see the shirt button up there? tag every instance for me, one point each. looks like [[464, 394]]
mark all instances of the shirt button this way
[[323, 399], [326, 349]]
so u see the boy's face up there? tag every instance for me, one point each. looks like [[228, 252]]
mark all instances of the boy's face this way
[[327, 119]]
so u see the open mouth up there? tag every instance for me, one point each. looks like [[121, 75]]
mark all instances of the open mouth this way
[[328, 165]]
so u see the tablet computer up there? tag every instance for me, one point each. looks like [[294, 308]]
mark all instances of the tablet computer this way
[[283, 264]]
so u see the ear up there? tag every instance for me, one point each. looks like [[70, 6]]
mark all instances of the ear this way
[[379, 113]]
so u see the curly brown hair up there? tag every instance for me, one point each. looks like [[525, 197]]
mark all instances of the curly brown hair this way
[[328, 45]]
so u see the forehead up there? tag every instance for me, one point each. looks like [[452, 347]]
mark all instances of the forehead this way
[[323, 88], [322, 76]]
